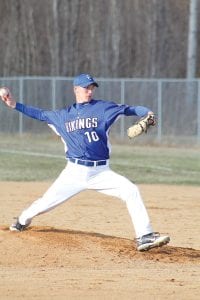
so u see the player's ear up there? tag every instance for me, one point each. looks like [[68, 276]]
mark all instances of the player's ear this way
[[75, 89]]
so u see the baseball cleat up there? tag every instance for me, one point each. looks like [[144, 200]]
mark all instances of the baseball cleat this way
[[17, 227], [151, 240]]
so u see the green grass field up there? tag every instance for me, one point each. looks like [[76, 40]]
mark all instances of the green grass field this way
[[32, 158]]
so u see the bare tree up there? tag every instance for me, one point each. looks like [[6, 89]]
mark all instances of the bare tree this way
[[111, 38]]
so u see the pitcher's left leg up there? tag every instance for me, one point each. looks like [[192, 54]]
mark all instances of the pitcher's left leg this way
[[113, 184]]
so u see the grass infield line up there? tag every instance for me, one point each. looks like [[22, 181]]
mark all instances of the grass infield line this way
[[31, 153], [124, 162]]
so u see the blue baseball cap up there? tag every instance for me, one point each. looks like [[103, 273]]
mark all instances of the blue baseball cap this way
[[84, 80]]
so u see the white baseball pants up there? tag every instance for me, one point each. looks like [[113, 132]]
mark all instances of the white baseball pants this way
[[76, 178]]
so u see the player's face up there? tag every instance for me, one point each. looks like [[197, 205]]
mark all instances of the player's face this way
[[84, 94]]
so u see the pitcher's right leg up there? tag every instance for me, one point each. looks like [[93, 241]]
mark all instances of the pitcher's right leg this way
[[61, 190]]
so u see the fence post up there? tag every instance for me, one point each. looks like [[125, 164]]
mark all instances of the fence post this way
[[122, 102], [198, 112], [159, 134], [53, 93], [21, 88]]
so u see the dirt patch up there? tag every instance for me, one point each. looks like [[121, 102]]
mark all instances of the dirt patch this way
[[85, 248]]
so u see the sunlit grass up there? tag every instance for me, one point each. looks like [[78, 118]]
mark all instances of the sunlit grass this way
[[34, 158]]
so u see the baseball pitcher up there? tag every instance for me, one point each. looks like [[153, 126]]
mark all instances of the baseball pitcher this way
[[84, 129]]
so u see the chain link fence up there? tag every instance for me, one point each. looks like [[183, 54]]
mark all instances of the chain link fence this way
[[176, 102]]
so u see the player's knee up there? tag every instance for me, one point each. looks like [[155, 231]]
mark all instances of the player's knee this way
[[129, 191]]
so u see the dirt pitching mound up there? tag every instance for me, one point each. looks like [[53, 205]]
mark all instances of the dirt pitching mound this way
[[49, 246], [84, 249]]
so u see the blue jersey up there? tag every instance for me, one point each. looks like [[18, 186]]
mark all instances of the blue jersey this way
[[84, 128]]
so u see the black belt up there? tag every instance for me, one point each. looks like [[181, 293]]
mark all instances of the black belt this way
[[88, 163]]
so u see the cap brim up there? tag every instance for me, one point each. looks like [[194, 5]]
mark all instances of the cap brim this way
[[89, 83]]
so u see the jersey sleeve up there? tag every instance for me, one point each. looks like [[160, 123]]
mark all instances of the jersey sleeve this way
[[37, 113], [113, 111], [139, 111]]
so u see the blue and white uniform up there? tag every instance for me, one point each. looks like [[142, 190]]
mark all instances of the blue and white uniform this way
[[84, 129]]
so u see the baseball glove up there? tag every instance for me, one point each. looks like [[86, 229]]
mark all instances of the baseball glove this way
[[141, 126]]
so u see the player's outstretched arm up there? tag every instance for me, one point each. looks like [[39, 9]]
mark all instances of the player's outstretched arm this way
[[7, 97]]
